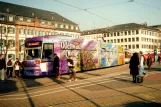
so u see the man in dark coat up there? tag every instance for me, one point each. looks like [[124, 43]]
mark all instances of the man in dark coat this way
[[56, 66], [149, 62], [134, 69]]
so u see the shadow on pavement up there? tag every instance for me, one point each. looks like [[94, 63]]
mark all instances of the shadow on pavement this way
[[58, 81], [31, 82], [142, 104], [8, 86]]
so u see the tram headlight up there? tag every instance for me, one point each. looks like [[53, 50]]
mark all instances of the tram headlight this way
[[37, 61]]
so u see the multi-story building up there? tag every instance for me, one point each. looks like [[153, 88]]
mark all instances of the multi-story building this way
[[132, 36], [18, 22]]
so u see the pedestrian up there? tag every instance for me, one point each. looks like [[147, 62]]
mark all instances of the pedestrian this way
[[71, 68], [9, 67], [56, 66], [149, 62], [159, 58], [134, 63], [141, 64], [17, 66], [2, 67]]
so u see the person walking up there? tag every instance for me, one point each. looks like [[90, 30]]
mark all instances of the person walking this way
[[149, 62], [134, 70], [56, 66], [71, 68], [17, 66], [9, 67], [2, 67], [141, 64]]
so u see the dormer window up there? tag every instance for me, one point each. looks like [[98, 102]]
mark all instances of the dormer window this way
[[21, 18], [77, 28], [42, 22], [29, 20], [7, 10], [72, 27], [11, 18], [32, 14]]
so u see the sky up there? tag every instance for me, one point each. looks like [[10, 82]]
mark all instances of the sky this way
[[93, 14]]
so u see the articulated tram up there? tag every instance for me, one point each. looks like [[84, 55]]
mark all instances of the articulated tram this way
[[87, 54]]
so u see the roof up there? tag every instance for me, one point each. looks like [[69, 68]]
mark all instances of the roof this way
[[129, 26], [121, 27], [20, 10]]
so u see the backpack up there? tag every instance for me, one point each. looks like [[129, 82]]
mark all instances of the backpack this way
[[9, 63]]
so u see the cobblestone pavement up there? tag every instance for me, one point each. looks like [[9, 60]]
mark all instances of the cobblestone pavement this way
[[98, 88]]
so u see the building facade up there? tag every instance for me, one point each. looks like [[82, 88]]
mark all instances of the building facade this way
[[19, 22], [133, 37]]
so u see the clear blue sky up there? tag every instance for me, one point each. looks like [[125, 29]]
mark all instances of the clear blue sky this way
[[117, 11]]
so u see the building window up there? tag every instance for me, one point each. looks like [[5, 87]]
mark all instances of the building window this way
[[129, 32], [11, 18], [42, 22], [118, 40], [77, 28], [36, 32], [72, 27], [133, 46], [61, 25], [111, 34], [64, 26], [137, 38], [118, 34], [121, 33], [11, 43], [122, 40], [125, 39], [55, 25], [20, 18], [114, 40], [21, 31], [133, 32], [129, 39], [3, 29], [137, 46], [49, 22], [67, 27], [11, 30], [114, 34], [28, 19], [129, 46], [125, 32], [133, 39], [137, 31]]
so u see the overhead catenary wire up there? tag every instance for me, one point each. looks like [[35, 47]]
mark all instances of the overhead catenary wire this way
[[85, 11], [146, 5], [106, 5]]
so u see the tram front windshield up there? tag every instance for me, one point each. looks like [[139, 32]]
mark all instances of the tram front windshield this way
[[33, 53]]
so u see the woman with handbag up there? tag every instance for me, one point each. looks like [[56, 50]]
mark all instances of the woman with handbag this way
[[17, 66]]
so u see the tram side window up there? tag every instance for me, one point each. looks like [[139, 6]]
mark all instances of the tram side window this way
[[47, 51]]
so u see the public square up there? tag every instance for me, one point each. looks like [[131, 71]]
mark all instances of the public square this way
[[106, 87]]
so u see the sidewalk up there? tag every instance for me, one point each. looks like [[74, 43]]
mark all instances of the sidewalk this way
[[103, 87], [14, 84]]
